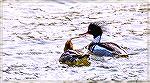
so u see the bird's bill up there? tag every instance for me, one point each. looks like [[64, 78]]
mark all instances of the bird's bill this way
[[83, 33], [80, 35]]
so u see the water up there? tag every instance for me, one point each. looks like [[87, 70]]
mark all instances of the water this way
[[34, 35]]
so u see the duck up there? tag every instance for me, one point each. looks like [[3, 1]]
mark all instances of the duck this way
[[98, 48], [74, 57]]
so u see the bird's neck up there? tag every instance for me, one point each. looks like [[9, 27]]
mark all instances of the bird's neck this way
[[97, 39], [95, 36]]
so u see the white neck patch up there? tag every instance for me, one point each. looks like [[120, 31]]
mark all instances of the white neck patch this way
[[97, 39]]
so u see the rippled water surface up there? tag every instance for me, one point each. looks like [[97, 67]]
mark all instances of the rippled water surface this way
[[34, 35]]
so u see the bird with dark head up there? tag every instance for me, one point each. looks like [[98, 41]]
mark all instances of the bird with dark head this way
[[103, 48]]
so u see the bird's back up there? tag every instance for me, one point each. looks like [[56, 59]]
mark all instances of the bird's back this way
[[113, 47]]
